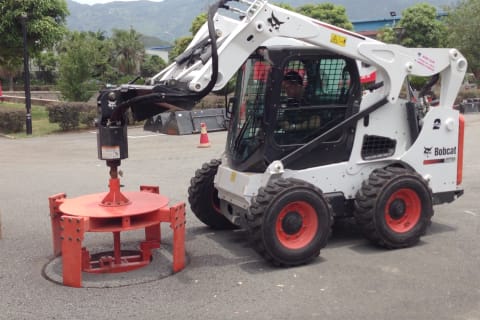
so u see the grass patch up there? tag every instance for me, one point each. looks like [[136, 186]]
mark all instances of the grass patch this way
[[40, 124]]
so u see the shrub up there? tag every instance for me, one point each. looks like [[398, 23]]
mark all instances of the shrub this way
[[69, 115], [88, 115], [11, 121]]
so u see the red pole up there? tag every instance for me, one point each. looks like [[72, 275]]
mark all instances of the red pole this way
[[116, 248]]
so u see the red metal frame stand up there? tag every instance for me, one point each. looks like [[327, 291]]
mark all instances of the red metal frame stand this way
[[113, 212]]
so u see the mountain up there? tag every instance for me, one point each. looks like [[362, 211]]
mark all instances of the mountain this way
[[171, 19], [166, 20]]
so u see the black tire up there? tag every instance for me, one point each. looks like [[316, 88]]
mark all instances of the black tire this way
[[394, 207], [289, 222], [203, 197]]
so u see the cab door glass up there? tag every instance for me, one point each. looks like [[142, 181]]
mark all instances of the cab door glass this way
[[313, 98]]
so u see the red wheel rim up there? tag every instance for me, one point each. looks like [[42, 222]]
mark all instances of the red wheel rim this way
[[306, 229], [410, 212]]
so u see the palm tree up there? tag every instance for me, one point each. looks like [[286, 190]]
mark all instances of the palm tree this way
[[129, 50]]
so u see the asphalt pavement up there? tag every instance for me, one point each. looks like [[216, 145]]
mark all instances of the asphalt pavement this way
[[224, 277]]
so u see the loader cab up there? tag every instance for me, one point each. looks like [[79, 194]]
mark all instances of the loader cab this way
[[286, 97]]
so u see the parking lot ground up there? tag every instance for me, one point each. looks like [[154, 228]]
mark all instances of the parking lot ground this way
[[224, 277]]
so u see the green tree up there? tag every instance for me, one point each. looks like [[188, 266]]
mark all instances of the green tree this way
[[151, 66], [420, 27], [129, 51], [179, 46], [103, 68], [47, 63], [182, 43], [9, 68], [198, 22], [78, 58], [387, 34], [462, 26], [327, 12], [45, 24]]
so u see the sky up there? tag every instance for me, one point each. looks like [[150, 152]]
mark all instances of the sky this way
[[105, 1]]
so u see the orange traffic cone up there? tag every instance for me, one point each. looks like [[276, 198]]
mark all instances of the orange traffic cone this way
[[204, 142]]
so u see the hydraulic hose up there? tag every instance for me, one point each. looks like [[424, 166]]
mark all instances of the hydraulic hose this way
[[212, 10]]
